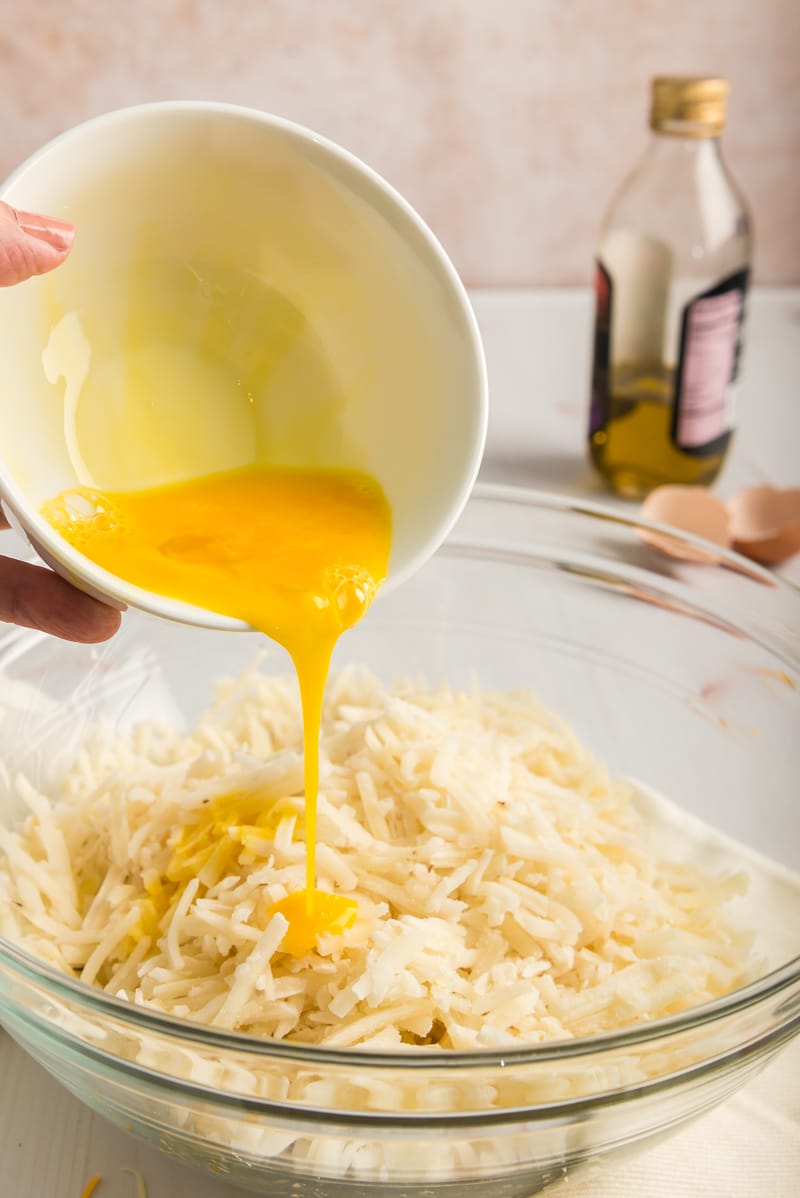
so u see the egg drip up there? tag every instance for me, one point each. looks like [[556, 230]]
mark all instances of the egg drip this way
[[297, 554]]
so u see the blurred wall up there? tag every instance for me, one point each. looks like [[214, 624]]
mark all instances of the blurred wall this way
[[507, 123]]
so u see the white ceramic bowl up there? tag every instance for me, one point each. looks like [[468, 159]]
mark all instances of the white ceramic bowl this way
[[237, 258]]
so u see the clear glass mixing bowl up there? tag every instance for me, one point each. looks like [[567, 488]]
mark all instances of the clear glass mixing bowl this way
[[683, 676]]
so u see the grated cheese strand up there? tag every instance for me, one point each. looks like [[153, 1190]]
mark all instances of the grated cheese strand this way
[[141, 1188]]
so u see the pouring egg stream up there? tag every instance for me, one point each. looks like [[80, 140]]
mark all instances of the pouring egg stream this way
[[298, 554]]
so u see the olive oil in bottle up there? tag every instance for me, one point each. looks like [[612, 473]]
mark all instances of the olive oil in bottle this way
[[671, 279]]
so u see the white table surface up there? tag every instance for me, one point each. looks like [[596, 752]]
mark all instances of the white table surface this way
[[537, 345]]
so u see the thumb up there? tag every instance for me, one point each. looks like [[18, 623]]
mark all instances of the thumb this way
[[30, 244]]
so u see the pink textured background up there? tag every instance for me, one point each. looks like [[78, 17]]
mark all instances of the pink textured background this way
[[507, 123]]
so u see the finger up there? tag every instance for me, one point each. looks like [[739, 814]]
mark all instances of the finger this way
[[34, 597], [30, 244]]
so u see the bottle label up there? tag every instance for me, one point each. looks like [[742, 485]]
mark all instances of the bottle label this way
[[598, 411], [708, 364]]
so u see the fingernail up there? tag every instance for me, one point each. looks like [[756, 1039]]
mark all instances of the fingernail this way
[[58, 233]]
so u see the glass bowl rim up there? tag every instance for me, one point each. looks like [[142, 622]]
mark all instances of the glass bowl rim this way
[[636, 1036], [550, 501]]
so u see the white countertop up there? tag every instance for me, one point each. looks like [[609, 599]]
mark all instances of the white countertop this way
[[537, 345]]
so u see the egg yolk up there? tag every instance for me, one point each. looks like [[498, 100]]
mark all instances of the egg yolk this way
[[298, 554]]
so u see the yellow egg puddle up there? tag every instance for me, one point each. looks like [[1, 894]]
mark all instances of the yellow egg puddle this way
[[299, 555]]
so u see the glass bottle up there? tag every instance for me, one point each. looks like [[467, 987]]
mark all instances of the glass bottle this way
[[671, 279]]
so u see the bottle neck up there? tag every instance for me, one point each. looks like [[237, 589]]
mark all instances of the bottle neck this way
[[682, 196], [691, 166], [672, 150]]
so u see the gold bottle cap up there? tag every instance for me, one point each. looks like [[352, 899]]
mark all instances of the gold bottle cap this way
[[689, 105]]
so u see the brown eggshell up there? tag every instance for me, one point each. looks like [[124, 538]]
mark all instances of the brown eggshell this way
[[691, 509], [765, 523]]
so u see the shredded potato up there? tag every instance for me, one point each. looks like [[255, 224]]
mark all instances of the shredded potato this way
[[141, 1188], [506, 888]]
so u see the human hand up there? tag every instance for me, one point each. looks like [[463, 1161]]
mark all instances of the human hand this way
[[30, 244], [32, 595], [35, 597]]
